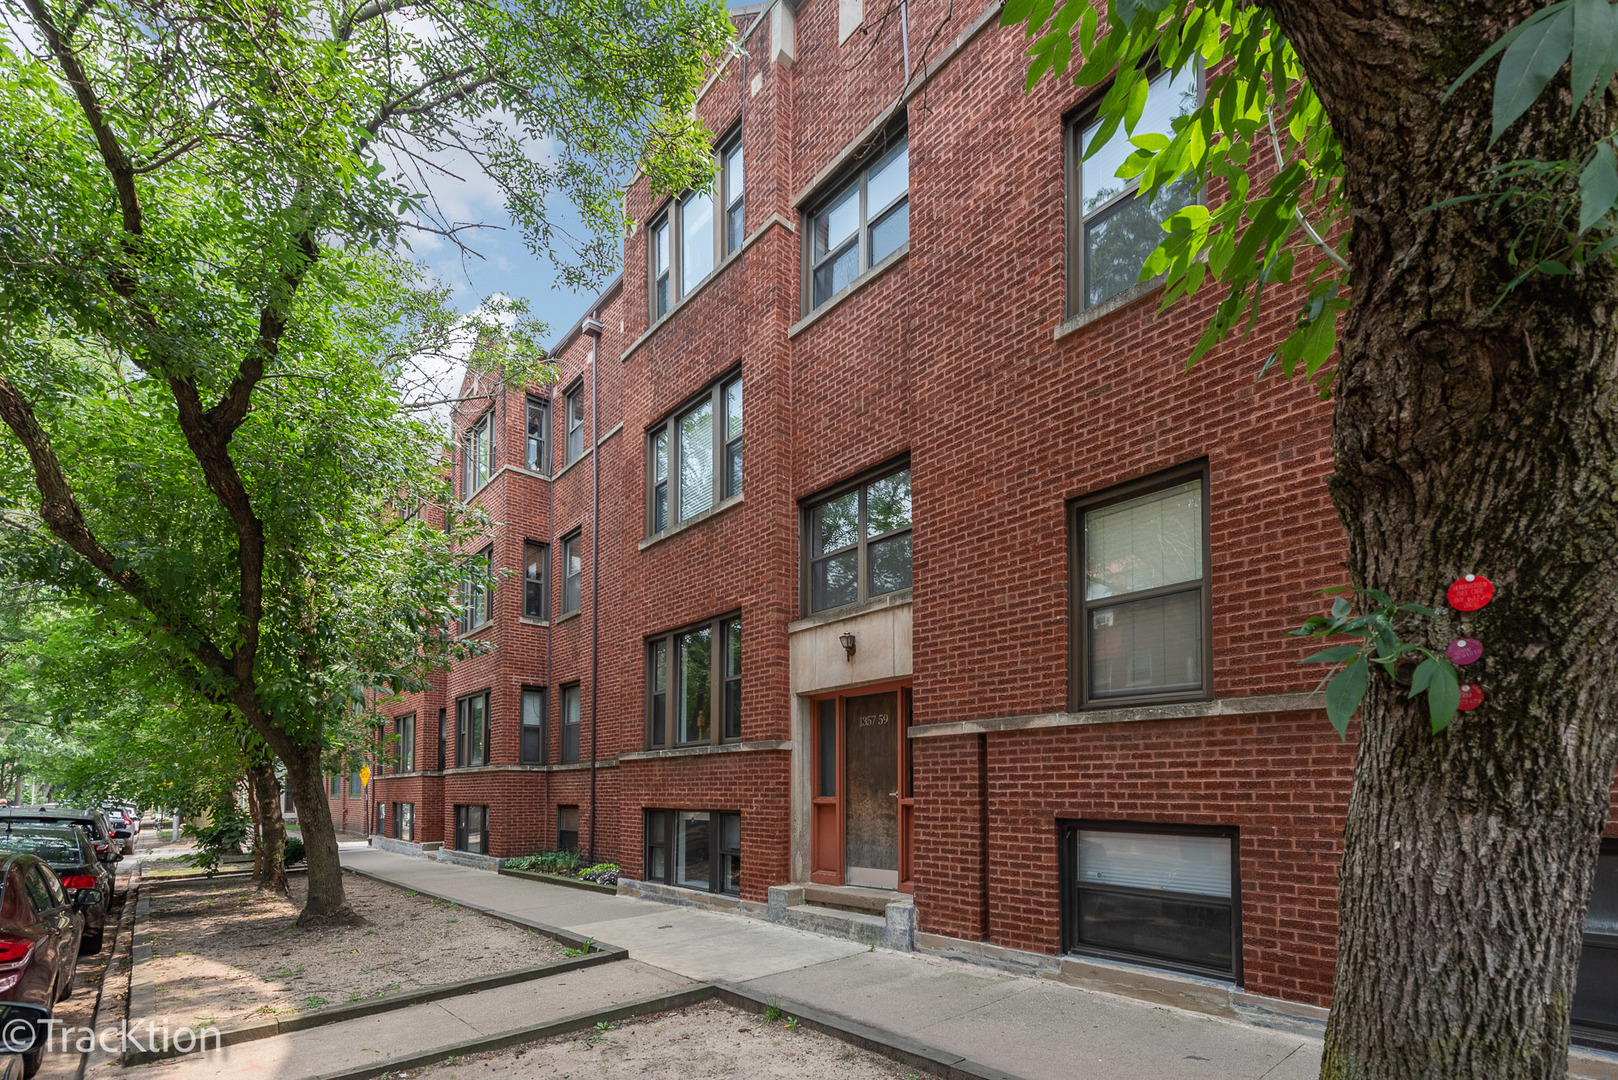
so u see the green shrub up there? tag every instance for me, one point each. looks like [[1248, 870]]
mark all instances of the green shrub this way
[[566, 863], [294, 851]]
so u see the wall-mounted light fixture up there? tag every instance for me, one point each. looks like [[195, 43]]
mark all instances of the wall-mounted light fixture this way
[[848, 645]]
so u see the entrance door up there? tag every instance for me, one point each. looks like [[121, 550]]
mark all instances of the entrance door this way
[[871, 790], [861, 808]]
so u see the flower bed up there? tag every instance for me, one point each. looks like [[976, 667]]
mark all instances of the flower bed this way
[[565, 866]]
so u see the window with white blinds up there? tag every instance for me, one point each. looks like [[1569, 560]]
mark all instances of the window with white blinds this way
[[1198, 865]]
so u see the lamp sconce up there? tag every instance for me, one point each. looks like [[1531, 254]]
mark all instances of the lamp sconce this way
[[847, 641]]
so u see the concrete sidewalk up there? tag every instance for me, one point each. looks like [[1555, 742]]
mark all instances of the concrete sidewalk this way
[[1036, 1029]]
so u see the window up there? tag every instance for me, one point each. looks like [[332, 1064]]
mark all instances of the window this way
[[687, 241], [477, 590], [567, 828], [1166, 895], [572, 572], [381, 816], [693, 461], [336, 786], [355, 788], [1111, 229], [1140, 617], [684, 848], [574, 403], [404, 821], [477, 456], [405, 754], [570, 724], [538, 457], [472, 829], [534, 719], [472, 730], [858, 226], [704, 685], [536, 580], [859, 542], [442, 737], [1595, 994]]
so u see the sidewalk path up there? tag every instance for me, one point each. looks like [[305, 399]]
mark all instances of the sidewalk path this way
[[1036, 1029]]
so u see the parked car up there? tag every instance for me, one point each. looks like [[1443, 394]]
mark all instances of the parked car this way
[[123, 827], [90, 821], [87, 880], [39, 947]]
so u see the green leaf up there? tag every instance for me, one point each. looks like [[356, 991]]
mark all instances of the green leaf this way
[[1552, 268], [1595, 47], [1336, 654], [1341, 608], [1598, 183], [1344, 694], [1422, 676], [1443, 695], [1502, 42], [1531, 62]]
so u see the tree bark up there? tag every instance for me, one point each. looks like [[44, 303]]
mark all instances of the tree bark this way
[[325, 901], [270, 827], [1469, 438]]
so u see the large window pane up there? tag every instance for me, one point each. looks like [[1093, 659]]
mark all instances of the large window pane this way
[[1200, 865], [834, 580], [477, 717], [890, 564], [890, 233], [887, 503], [693, 851], [826, 750], [533, 727], [1144, 543], [733, 438], [834, 275], [1146, 645], [570, 724], [696, 240], [1158, 926], [1167, 97], [693, 653], [732, 630], [733, 199], [536, 585], [696, 460], [660, 265], [889, 178], [836, 523], [658, 659], [1118, 240], [572, 573], [538, 458], [837, 223]]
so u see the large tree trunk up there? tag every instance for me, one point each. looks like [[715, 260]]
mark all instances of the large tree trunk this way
[[270, 827], [325, 901], [1467, 440]]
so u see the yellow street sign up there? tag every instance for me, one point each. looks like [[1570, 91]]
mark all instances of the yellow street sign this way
[[365, 776]]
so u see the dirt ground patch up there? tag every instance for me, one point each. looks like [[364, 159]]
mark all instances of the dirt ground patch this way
[[705, 1042], [223, 951]]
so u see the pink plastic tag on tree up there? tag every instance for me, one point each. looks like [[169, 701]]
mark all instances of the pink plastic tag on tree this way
[[1471, 697], [1464, 651], [1471, 592]]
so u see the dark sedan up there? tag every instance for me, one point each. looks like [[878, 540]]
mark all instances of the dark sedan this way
[[90, 821], [68, 852], [39, 947]]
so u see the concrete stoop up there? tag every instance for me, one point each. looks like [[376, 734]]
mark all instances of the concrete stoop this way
[[895, 928], [425, 849]]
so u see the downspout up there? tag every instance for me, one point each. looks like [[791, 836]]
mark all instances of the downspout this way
[[550, 614], [594, 328]]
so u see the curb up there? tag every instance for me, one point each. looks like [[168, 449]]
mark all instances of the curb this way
[[100, 1018], [552, 879], [939, 1063], [143, 992]]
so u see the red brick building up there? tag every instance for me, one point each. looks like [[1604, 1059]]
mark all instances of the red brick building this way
[[989, 618]]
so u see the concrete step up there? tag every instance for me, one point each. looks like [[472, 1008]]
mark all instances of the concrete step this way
[[859, 926], [850, 897]]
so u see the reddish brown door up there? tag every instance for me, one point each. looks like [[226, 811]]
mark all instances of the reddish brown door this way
[[861, 807]]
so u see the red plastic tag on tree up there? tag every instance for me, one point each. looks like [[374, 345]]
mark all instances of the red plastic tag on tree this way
[[1464, 651], [1471, 697], [1471, 592]]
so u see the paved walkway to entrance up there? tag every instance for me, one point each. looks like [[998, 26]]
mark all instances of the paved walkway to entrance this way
[[1037, 1029]]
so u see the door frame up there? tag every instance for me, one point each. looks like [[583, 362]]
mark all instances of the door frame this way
[[828, 853]]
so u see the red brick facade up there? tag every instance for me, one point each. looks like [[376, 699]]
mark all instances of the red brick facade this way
[[953, 355]]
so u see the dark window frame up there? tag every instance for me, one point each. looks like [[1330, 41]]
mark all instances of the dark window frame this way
[[535, 738], [571, 542], [1079, 694], [856, 174], [573, 402], [443, 735], [719, 857], [1075, 297], [477, 470], [537, 450], [536, 591], [724, 243], [401, 811], [463, 730], [476, 592], [355, 788], [1585, 1033], [1067, 864], [807, 558], [405, 757], [719, 681], [562, 844], [463, 827], [572, 751], [667, 487]]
